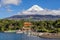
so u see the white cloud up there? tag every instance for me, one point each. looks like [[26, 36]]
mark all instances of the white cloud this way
[[56, 12], [9, 10], [7, 2]]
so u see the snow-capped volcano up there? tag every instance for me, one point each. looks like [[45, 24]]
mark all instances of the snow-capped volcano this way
[[35, 8], [37, 13]]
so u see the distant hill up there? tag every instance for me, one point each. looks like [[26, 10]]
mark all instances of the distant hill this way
[[34, 17]]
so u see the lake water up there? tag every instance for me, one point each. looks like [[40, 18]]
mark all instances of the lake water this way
[[14, 36]]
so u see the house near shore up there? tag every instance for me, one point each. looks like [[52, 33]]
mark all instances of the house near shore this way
[[27, 26]]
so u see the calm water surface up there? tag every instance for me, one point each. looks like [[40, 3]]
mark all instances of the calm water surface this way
[[14, 36]]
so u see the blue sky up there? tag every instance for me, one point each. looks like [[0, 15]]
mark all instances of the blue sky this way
[[9, 8]]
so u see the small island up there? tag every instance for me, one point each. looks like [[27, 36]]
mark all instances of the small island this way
[[45, 29]]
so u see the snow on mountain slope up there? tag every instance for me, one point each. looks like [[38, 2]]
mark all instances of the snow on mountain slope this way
[[37, 10]]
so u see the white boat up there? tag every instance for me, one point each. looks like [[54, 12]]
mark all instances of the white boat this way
[[29, 34], [19, 31]]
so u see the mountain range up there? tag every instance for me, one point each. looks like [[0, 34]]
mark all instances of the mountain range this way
[[37, 13]]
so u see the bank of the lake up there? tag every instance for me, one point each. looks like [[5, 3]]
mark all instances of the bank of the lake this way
[[10, 31], [38, 34], [50, 35], [45, 35]]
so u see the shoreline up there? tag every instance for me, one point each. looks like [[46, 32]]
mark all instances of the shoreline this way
[[38, 34], [50, 35], [10, 31], [47, 35]]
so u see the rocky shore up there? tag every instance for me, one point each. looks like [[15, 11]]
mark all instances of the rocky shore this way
[[50, 35], [46, 35]]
